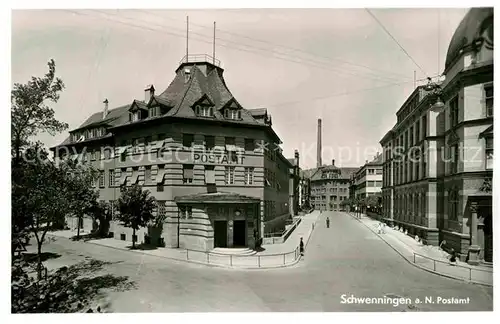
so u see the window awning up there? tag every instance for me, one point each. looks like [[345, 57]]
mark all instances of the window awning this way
[[122, 149], [123, 179], [159, 144], [160, 176], [210, 176], [230, 147], [135, 177], [188, 173]]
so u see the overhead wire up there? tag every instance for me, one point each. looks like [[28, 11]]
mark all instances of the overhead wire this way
[[395, 40], [169, 32], [308, 62], [344, 93], [272, 105], [293, 49]]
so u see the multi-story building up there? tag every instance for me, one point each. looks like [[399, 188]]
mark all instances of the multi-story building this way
[[442, 190], [294, 185], [305, 188], [215, 168], [368, 178], [409, 187], [330, 186]]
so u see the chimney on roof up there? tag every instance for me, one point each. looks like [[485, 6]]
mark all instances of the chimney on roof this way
[[319, 144], [296, 158], [105, 112], [149, 92], [187, 74], [333, 162]]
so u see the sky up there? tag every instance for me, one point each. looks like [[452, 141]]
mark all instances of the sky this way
[[340, 65]]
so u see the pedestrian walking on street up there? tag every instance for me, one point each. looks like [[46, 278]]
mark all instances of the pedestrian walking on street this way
[[327, 222], [301, 247]]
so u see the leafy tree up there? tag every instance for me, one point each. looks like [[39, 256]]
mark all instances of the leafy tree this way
[[81, 194], [29, 111], [40, 193], [101, 214], [135, 208]]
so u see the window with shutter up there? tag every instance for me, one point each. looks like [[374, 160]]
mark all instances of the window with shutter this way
[[488, 94], [489, 152], [187, 173], [209, 174]]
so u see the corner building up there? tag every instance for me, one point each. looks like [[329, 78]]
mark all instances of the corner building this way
[[215, 168]]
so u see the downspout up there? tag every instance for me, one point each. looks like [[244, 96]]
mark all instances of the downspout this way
[[178, 227]]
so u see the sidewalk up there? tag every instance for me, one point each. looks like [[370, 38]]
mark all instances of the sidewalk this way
[[274, 255], [304, 230], [427, 257]]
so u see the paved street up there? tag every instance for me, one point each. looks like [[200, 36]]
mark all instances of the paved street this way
[[346, 259]]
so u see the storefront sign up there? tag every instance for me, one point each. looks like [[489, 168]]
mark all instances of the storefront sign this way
[[226, 158]]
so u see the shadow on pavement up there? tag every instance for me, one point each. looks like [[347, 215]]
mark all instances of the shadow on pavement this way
[[33, 257], [70, 289], [143, 247]]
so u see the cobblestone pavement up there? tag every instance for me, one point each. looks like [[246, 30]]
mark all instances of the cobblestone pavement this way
[[345, 259]]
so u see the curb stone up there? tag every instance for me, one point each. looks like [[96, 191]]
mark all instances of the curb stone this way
[[421, 267], [189, 261]]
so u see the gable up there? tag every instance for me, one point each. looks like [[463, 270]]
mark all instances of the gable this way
[[204, 101]]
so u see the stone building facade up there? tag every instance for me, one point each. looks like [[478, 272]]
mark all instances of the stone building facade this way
[[368, 179], [215, 168], [442, 191], [330, 186]]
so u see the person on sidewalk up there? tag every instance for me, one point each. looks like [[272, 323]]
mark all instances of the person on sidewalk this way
[[453, 257], [301, 246], [380, 229], [327, 222]]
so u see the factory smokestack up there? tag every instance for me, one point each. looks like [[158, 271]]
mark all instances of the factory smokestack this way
[[319, 144]]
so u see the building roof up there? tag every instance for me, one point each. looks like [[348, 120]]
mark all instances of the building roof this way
[[204, 84], [308, 173], [217, 197], [471, 28], [378, 160], [345, 173]]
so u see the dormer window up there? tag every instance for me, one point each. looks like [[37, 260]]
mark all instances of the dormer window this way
[[232, 114], [204, 111], [153, 111], [135, 116]]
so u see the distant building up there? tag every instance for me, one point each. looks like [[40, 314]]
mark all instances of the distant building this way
[[305, 188], [442, 191], [330, 186], [368, 178]]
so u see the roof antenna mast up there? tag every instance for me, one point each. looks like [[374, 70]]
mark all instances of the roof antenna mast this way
[[213, 56], [187, 39]]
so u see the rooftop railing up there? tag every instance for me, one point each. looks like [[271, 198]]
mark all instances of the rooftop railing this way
[[195, 58]]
